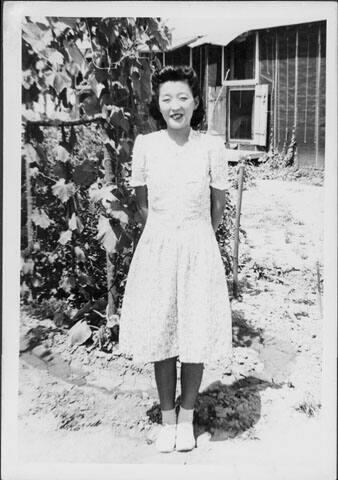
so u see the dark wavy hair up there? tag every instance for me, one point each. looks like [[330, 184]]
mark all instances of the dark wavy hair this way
[[172, 73]]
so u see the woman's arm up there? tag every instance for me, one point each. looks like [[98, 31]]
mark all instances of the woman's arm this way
[[217, 200], [142, 202]]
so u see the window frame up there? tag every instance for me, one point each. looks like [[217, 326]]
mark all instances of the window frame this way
[[247, 87]]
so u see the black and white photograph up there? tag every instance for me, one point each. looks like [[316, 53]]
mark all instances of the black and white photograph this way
[[169, 220]]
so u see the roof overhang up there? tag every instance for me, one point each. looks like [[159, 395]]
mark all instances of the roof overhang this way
[[234, 29]]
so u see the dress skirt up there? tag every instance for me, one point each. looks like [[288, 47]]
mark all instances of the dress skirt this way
[[176, 299]]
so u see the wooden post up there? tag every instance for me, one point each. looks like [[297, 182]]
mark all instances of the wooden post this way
[[275, 96], [295, 117], [111, 308], [206, 54], [317, 98], [237, 225], [257, 58], [319, 293], [287, 90], [306, 88], [29, 204]]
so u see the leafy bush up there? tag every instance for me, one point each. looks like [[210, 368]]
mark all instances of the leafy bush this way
[[79, 218]]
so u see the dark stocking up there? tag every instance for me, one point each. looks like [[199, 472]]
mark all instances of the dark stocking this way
[[191, 377], [166, 378]]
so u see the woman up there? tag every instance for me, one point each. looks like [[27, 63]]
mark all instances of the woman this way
[[176, 304]]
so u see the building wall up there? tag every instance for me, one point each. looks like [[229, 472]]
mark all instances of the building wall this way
[[292, 62]]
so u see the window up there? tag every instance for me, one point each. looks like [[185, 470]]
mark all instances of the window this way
[[241, 112]]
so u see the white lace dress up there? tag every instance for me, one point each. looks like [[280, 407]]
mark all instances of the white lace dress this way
[[176, 299]]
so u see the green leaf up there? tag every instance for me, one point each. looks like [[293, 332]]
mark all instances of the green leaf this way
[[85, 174], [40, 218], [30, 153], [60, 170], [59, 27], [65, 237], [95, 85], [75, 223], [79, 333], [101, 75], [54, 56], [41, 151], [123, 242], [79, 254], [62, 155], [70, 21], [76, 56], [72, 69], [91, 105], [124, 151], [49, 77], [104, 194], [27, 267], [119, 215], [37, 37], [67, 283], [41, 64], [30, 115], [118, 118], [106, 235], [34, 172], [52, 257], [61, 81], [63, 190], [27, 79]]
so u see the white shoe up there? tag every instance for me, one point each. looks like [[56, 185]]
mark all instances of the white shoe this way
[[185, 439], [166, 439]]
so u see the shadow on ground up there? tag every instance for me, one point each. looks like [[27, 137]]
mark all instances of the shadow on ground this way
[[243, 335], [245, 286], [225, 411]]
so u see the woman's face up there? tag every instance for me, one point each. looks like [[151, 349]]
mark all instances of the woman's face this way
[[177, 104]]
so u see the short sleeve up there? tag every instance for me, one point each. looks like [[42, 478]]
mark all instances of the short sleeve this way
[[218, 166], [138, 166]]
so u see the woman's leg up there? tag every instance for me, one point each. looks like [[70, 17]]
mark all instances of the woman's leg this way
[[191, 377], [166, 378]]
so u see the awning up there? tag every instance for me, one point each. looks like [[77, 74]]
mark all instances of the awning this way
[[235, 28], [176, 43]]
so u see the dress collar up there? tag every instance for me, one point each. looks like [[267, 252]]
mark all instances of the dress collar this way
[[192, 134]]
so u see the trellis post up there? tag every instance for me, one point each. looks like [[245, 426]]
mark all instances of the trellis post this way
[[237, 225]]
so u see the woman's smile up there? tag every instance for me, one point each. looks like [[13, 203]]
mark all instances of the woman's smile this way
[[177, 116], [177, 104]]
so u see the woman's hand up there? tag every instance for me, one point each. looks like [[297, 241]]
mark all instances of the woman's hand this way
[[142, 202], [217, 201]]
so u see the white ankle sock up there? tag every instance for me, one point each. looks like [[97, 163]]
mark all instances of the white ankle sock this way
[[185, 415], [169, 417]]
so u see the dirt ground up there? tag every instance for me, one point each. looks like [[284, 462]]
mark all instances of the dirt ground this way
[[82, 405]]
